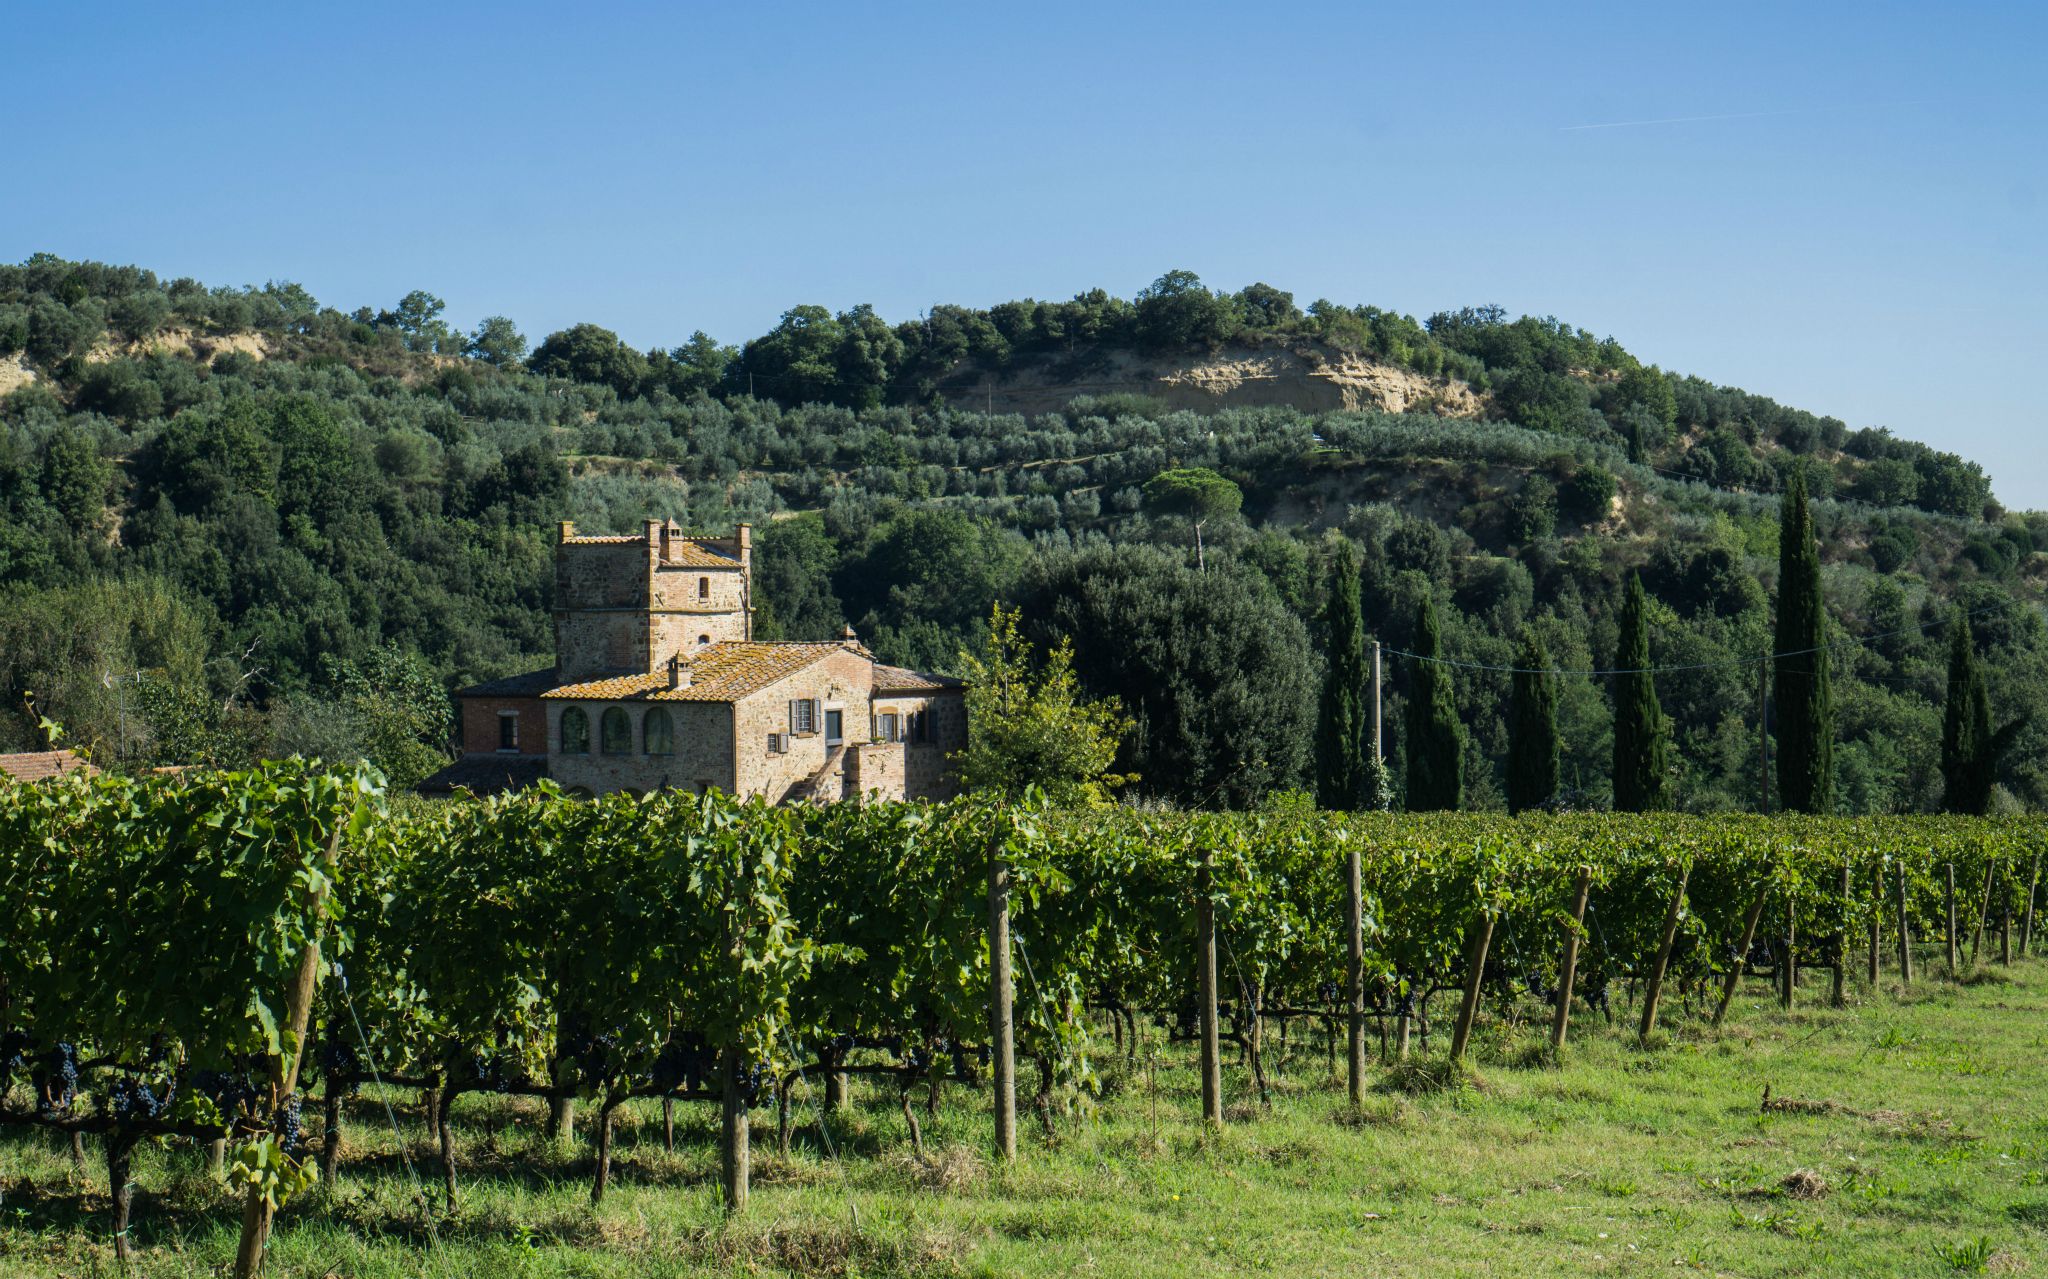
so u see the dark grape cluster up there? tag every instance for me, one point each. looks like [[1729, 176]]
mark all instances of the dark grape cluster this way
[[228, 1090], [284, 1121], [685, 1061], [56, 1079], [136, 1100], [14, 1046], [487, 1072], [753, 1077], [339, 1062], [1328, 992]]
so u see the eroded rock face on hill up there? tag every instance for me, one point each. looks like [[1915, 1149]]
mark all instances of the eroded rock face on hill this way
[[1306, 376], [184, 343], [14, 373]]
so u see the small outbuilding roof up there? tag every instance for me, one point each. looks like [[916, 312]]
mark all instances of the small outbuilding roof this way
[[36, 766]]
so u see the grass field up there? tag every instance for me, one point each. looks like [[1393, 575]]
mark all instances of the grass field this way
[[1910, 1137]]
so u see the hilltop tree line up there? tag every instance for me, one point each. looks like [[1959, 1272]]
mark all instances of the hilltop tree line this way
[[234, 521]]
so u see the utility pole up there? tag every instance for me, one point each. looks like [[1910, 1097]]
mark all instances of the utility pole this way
[[1763, 740], [1376, 754]]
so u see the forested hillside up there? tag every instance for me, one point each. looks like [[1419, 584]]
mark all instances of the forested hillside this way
[[233, 521]]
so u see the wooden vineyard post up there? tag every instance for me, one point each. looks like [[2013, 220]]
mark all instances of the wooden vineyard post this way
[[1354, 923], [1568, 967], [1788, 967], [2005, 931], [1905, 931], [1475, 976], [1205, 961], [1948, 903], [257, 1211], [734, 1154], [1655, 988], [1876, 918], [1839, 995], [1756, 913], [1001, 1026], [1983, 912], [2027, 919]]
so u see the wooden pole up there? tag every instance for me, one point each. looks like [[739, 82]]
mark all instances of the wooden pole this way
[[1876, 918], [257, 1212], [1905, 931], [735, 1156], [1568, 967], [1655, 989], [1788, 965], [1948, 902], [1354, 919], [1749, 923], [1205, 961], [1839, 996], [2027, 920], [1983, 912], [1001, 1025], [1475, 961]]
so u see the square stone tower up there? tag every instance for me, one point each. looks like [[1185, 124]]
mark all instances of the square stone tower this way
[[625, 604]]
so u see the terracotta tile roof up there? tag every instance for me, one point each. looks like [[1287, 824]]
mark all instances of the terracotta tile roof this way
[[901, 679], [603, 539], [691, 553], [36, 766], [718, 673], [485, 775]]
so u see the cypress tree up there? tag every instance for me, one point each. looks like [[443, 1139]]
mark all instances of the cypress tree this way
[[1805, 705], [1343, 756], [1532, 728], [1640, 749], [1965, 728], [1436, 777], [1970, 748]]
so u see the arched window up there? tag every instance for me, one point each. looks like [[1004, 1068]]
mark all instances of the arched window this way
[[657, 734], [703, 641], [615, 731], [703, 588], [575, 732]]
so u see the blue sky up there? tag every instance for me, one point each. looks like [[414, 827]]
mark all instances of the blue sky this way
[[1858, 233]]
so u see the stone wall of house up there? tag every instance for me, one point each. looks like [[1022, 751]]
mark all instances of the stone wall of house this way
[[480, 724], [693, 607], [874, 771], [622, 606], [841, 682], [927, 769], [601, 625], [703, 749]]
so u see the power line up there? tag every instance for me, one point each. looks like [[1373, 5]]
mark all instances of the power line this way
[[1695, 666]]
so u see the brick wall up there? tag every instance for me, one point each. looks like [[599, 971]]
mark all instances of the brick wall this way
[[480, 724]]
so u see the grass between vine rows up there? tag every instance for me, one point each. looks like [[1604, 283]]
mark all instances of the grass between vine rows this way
[[1908, 1135]]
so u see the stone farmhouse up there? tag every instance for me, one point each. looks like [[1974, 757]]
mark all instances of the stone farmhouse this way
[[659, 681]]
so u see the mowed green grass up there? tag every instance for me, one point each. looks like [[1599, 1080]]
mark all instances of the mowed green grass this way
[[1922, 1120]]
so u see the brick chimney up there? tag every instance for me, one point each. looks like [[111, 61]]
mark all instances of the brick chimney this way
[[564, 531], [654, 538], [678, 672]]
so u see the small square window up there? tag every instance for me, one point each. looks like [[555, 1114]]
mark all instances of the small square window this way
[[508, 730]]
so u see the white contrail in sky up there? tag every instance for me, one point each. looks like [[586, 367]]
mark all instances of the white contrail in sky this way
[[1737, 115]]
